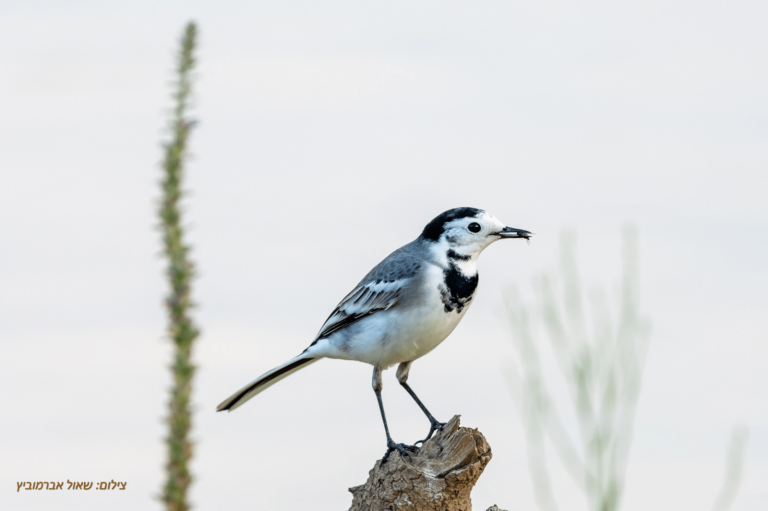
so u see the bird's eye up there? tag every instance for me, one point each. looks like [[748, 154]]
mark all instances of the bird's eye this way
[[474, 227]]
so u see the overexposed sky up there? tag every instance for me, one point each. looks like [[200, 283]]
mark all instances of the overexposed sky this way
[[330, 133]]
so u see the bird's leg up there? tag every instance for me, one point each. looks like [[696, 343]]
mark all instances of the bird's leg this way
[[391, 445], [402, 377]]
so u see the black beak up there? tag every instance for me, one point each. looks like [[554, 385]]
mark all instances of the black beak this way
[[509, 232]]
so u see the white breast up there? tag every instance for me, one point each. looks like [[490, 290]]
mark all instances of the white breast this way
[[400, 334]]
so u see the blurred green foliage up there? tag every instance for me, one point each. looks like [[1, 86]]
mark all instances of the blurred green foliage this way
[[181, 328], [599, 344], [600, 350], [734, 465]]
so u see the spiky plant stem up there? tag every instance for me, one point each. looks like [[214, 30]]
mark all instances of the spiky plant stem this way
[[181, 329]]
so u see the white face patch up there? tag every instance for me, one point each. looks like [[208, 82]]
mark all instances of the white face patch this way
[[459, 234]]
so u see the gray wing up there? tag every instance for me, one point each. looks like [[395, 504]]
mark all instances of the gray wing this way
[[380, 290]]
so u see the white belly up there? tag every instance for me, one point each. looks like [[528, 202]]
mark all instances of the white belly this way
[[428, 328], [401, 334]]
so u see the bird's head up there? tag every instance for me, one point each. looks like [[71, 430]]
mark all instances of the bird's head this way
[[467, 231]]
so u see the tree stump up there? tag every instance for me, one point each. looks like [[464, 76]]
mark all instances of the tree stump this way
[[437, 477]]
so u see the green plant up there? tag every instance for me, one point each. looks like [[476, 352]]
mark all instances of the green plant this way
[[601, 353], [181, 329]]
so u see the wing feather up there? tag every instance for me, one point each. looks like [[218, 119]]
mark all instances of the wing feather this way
[[364, 300], [380, 290]]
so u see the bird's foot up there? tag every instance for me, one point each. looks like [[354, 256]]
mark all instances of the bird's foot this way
[[435, 425], [401, 448]]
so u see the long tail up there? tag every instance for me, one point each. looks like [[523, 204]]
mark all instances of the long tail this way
[[265, 380]]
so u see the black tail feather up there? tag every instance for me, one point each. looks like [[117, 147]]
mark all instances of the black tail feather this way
[[263, 381]]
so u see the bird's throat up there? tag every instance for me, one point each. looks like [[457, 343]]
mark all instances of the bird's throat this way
[[457, 288]]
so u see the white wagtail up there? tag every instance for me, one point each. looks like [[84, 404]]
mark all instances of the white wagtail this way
[[406, 305]]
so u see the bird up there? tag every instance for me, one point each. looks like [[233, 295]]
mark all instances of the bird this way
[[402, 309]]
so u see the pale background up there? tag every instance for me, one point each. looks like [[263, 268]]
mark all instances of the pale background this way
[[330, 133]]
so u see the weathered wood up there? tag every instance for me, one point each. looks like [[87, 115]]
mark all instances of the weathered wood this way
[[438, 477]]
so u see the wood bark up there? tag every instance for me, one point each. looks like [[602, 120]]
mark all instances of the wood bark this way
[[437, 477]]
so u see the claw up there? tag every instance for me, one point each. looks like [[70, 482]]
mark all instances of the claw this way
[[401, 448], [435, 426]]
